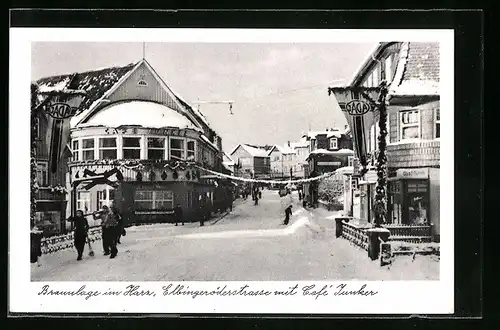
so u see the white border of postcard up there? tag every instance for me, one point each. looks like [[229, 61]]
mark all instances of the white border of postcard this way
[[397, 297]]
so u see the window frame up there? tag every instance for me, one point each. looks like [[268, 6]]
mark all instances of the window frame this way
[[332, 139], [37, 128], [123, 148], [436, 123], [194, 151], [83, 150], [402, 126], [99, 148], [170, 149], [80, 200], [350, 161], [154, 200], [165, 145], [75, 151]]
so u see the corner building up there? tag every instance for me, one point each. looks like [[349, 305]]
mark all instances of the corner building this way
[[152, 141]]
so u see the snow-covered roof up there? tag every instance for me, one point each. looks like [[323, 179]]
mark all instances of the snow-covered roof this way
[[285, 150], [254, 152], [95, 83], [329, 133], [334, 134], [227, 166], [143, 113], [227, 158], [204, 138], [333, 152]]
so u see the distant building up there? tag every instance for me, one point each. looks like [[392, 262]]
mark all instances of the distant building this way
[[228, 164], [251, 161], [301, 153], [283, 162]]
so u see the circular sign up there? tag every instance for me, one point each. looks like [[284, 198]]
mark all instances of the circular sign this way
[[357, 107], [60, 110]]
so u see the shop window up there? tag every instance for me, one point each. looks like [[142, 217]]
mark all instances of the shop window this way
[[437, 122], [420, 187], [131, 148], [107, 148], [417, 210], [156, 148], [191, 150], [176, 148], [42, 173], [334, 143], [49, 221], [409, 124], [88, 149], [154, 200], [75, 150], [83, 201]]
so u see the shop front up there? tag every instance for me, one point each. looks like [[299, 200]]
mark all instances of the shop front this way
[[409, 197]]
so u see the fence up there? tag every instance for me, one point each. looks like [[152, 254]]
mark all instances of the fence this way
[[63, 242], [355, 235], [410, 233]]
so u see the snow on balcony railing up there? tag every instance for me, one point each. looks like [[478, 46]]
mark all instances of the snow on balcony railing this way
[[355, 235]]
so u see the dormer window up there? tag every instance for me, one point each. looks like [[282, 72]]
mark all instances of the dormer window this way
[[333, 143], [142, 83]]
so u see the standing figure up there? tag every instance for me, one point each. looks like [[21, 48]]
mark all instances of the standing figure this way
[[120, 230], [36, 245], [288, 213], [80, 232], [178, 214], [109, 226]]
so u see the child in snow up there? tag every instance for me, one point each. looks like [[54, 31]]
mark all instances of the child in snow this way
[[288, 213]]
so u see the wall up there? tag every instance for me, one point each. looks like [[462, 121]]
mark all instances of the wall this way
[[262, 165], [435, 188]]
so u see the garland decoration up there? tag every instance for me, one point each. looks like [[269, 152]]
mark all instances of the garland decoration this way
[[58, 189]]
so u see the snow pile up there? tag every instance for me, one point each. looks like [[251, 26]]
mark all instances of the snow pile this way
[[333, 152]]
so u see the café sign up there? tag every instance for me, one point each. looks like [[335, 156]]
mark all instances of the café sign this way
[[410, 173], [330, 163]]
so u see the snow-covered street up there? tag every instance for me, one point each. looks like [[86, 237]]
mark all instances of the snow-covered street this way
[[249, 244]]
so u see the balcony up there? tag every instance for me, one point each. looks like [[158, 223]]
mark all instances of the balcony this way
[[46, 194], [420, 153]]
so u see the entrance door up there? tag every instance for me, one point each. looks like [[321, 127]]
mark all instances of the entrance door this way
[[416, 202]]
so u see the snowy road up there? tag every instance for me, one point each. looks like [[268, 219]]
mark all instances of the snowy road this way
[[249, 244]]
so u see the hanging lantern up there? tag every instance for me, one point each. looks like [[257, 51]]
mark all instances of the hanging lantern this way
[[138, 176], [175, 175], [152, 176], [164, 176]]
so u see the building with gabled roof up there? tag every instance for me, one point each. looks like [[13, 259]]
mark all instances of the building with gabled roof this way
[[283, 162], [251, 161], [132, 121], [412, 72]]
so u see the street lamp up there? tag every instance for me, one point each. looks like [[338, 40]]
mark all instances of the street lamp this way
[[359, 105]]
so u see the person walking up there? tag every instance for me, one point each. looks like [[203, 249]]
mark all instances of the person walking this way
[[288, 213], [80, 232], [36, 245], [178, 215], [109, 225]]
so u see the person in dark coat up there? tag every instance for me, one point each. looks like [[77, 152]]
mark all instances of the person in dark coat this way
[[119, 230], [288, 213], [109, 227], [178, 214], [81, 226], [36, 245]]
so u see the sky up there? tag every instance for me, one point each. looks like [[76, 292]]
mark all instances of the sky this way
[[279, 90]]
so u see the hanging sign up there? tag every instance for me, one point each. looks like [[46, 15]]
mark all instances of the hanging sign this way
[[60, 110], [358, 107]]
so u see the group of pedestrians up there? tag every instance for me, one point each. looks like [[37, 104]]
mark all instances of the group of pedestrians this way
[[112, 230]]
